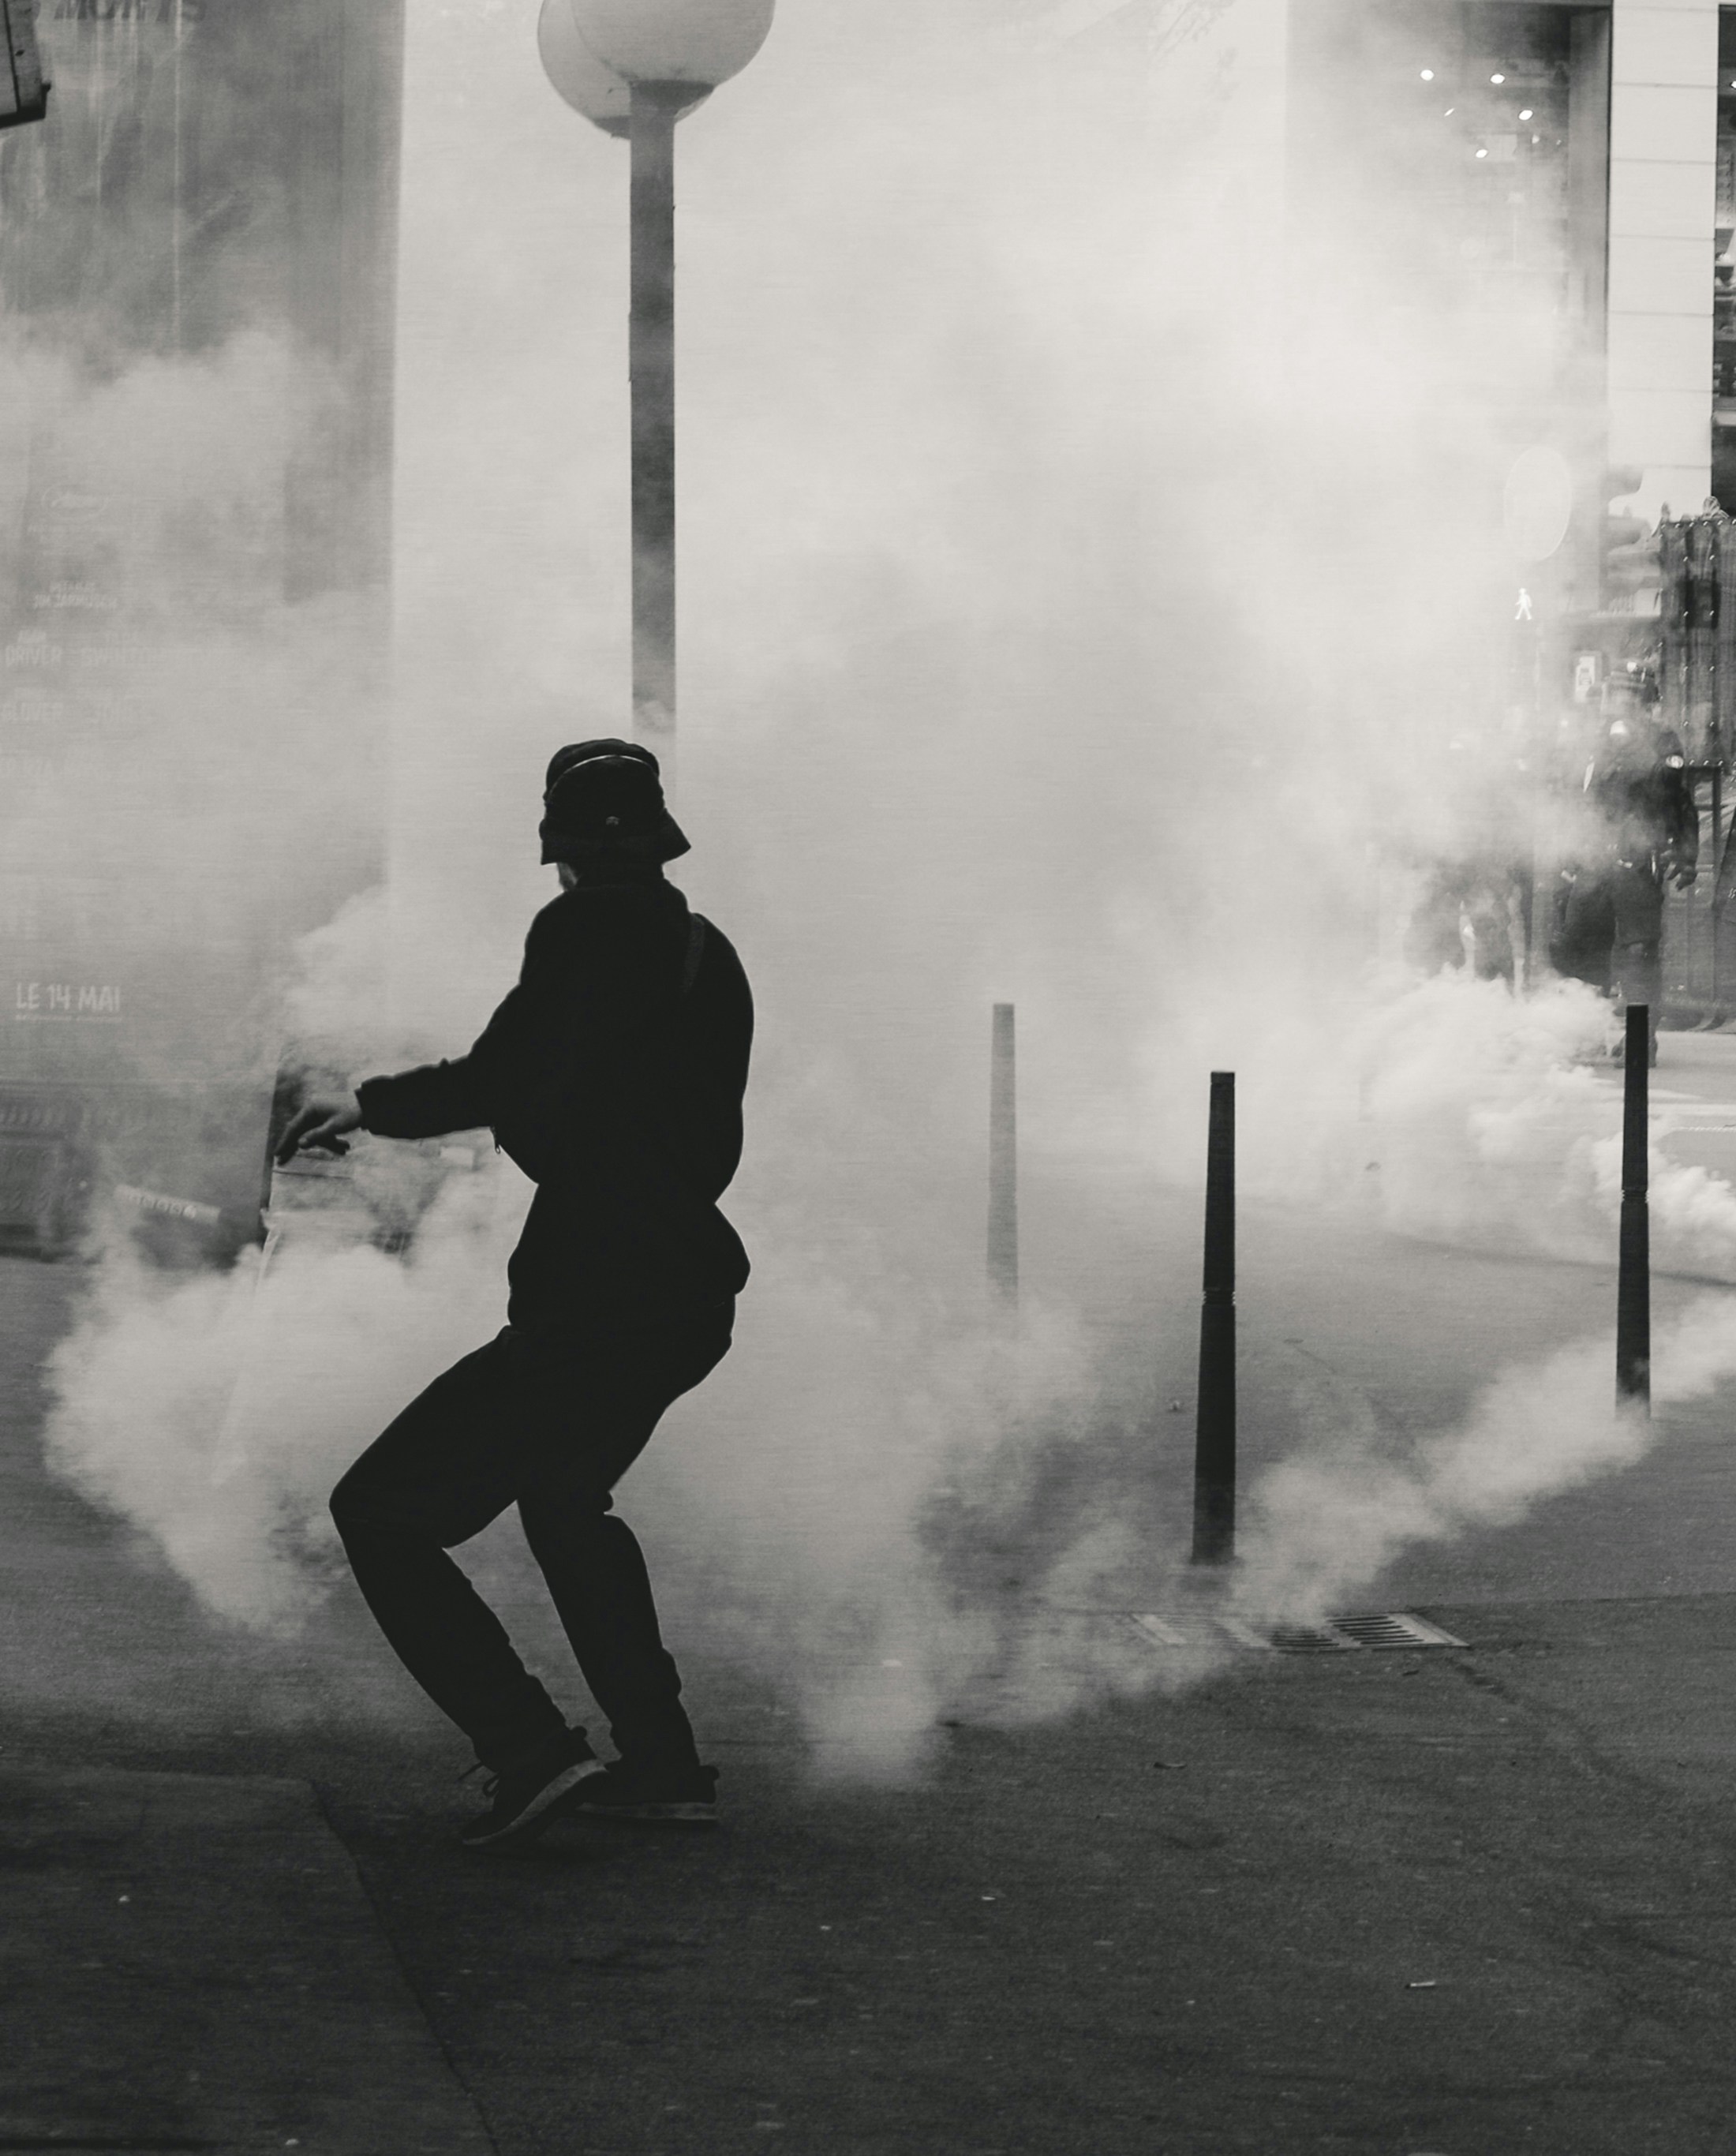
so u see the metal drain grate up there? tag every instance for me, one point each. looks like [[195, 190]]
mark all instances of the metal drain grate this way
[[1311, 1640], [1388, 1630], [1395, 1628]]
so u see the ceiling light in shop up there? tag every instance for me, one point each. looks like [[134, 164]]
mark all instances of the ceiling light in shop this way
[[1526, 114], [1482, 153], [1497, 78], [1428, 75]]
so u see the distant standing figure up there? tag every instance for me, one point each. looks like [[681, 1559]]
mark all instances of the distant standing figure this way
[[1466, 918], [613, 1075], [1645, 829]]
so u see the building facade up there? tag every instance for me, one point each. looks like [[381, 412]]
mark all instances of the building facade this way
[[1618, 123], [197, 295]]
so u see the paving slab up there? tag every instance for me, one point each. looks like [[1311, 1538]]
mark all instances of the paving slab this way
[[191, 1961]]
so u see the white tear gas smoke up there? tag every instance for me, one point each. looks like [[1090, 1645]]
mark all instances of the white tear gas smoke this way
[[155, 791], [1330, 1520], [1043, 640], [1489, 1121]]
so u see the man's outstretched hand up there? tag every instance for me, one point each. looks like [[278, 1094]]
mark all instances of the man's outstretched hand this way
[[320, 1125]]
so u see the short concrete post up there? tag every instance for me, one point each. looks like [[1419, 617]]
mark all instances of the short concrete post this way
[[1003, 1163]]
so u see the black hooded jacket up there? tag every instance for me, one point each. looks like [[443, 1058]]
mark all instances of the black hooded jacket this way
[[613, 1075], [1638, 782]]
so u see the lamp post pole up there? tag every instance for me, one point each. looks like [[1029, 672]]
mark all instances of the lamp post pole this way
[[634, 68], [651, 362]]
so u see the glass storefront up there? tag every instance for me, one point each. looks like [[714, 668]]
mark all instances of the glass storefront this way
[[196, 337]]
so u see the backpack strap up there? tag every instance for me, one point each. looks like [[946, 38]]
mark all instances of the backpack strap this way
[[696, 954]]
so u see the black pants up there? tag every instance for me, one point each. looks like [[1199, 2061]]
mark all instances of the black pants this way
[[551, 1430], [1611, 934]]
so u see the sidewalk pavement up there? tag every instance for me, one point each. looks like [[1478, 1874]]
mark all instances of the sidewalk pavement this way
[[1469, 1902], [191, 1961]]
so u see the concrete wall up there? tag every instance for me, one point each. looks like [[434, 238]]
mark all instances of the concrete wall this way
[[1663, 133]]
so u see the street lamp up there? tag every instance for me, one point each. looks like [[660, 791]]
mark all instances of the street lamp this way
[[603, 96], [634, 68]]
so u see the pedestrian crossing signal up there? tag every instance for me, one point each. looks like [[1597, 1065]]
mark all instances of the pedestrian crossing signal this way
[[23, 93]]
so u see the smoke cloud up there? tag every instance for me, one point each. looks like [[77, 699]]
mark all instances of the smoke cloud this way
[[1330, 1520], [1023, 562]]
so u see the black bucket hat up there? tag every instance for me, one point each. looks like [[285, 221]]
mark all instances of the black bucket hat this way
[[605, 798]]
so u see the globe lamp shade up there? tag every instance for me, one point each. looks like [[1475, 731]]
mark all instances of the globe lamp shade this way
[[671, 41], [603, 96]]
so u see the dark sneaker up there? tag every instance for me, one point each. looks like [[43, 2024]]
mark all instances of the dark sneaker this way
[[683, 1796], [527, 1799]]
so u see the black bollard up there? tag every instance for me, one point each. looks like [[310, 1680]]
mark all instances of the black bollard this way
[[1633, 1291], [1214, 1425], [1003, 1163]]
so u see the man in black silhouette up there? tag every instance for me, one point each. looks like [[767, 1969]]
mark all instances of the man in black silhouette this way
[[613, 1075]]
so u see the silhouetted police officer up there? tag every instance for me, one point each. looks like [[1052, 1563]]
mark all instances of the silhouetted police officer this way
[[1642, 827]]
